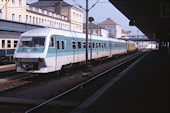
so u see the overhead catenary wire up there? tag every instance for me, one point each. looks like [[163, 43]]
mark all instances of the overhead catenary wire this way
[[85, 8]]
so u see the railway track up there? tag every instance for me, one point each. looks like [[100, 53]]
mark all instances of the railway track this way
[[68, 100]]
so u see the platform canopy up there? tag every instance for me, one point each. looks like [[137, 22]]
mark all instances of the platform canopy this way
[[150, 16], [10, 35]]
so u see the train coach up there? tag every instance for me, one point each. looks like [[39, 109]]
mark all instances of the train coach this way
[[47, 50], [7, 47], [131, 47]]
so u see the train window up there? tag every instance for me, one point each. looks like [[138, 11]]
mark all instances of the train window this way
[[84, 44], [93, 44], [58, 44], [52, 42], [89, 44], [3, 43], [79, 45], [73, 45], [15, 43], [63, 45], [96, 45], [9, 43], [99, 45], [32, 42], [104, 45]]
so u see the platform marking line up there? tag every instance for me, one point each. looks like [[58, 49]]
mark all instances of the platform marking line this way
[[102, 90], [7, 66]]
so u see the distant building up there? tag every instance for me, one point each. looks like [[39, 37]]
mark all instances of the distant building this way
[[73, 14], [114, 30], [96, 30], [55, 14], [124, 34]]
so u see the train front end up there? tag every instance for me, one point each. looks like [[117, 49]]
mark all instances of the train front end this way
[[30, 53]]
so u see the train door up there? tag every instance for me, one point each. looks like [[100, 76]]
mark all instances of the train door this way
[[54, 42], [110, 48]]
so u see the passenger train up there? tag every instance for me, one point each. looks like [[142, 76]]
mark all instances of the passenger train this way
[[47, 50]]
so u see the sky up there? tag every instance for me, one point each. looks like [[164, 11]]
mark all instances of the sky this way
[[103, 10]]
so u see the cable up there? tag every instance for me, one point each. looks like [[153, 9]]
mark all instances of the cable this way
[[84, 8]]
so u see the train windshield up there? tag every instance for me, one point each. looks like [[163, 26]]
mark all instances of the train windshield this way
[[32, 42]]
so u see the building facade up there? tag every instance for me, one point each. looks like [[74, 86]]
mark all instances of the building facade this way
[[95, 30], [53, 14], [114, 30], [14, 10], [124, 34], [75, 17]]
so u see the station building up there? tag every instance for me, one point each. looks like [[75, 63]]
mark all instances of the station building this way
[[114, 30], [95, 29], [55, 14]]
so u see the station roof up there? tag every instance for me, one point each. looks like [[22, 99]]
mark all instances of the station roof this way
[[150, 16], [108, 22]]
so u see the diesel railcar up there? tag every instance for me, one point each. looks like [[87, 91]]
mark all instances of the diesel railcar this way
[[47, 50]]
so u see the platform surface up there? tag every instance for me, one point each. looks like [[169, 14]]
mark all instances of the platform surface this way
[[145, 88]]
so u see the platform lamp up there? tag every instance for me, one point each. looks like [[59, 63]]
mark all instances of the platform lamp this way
[[132, 22], [91, 19]]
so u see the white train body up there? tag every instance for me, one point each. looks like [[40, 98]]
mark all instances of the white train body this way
[[47, 50]]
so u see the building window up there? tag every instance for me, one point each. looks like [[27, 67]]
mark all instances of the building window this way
[[20, 2], [36, 21], [74, 15], [33, 20], [45, 23], [80, 17], [9, 43], [50, 24], [59, 26], [20, 18], [13, 1], [15, 43], [1, 14], [39, 21], [42, 21], [26, 18], [3, 43], [13, 17], [30, 19]]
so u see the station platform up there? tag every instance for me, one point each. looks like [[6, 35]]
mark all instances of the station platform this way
[[144, 89], [8, 67]]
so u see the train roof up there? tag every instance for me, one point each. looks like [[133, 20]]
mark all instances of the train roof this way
[[50, 31]]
